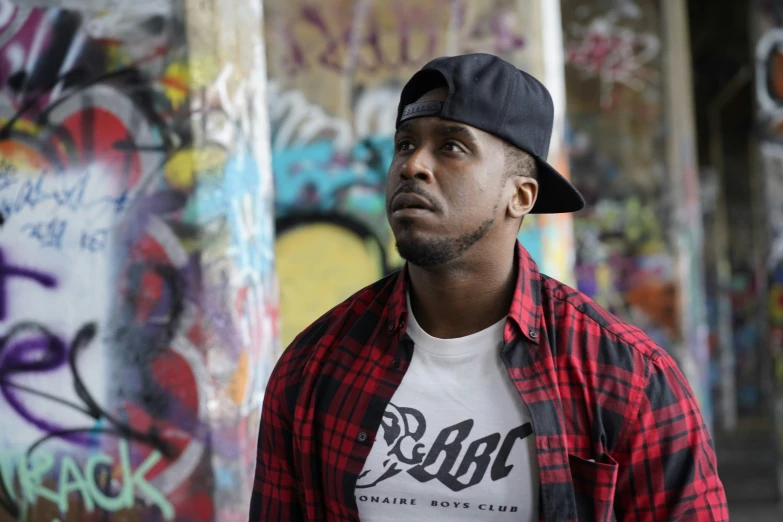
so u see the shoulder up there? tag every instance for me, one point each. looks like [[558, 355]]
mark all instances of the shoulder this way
[[358, 316], [572, 308], [623, 371]]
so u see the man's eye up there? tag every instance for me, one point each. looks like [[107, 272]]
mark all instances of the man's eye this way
[[450, 146], [404, 145]]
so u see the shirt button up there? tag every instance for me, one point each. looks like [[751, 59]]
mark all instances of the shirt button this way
[[402, 323], [533, 333], [362, 436], [391, 327], [396, 363]]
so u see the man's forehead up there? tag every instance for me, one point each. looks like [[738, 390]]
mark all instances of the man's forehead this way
[[436, 125]]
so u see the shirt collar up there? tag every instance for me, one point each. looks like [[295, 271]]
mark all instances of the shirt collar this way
[[525, 308]]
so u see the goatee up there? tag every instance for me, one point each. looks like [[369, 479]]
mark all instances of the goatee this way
[[437, 251]]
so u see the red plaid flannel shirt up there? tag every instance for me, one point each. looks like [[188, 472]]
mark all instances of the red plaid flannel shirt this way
[[618, 431]]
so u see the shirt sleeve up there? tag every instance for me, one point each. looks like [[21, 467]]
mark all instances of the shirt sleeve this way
[[668, 470], [275, 492]]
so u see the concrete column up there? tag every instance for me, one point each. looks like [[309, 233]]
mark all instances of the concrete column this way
[[687, 226], [336, 70], [633, 156], [138, 299], [767, 32]]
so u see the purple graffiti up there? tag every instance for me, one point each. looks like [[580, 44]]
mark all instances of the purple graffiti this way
[[369, 48], [7, 271], [29, 348]]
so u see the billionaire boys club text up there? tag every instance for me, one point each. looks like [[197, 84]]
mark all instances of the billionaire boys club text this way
[[436, 504]]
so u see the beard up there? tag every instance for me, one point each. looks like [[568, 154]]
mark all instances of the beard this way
[[427, 252]]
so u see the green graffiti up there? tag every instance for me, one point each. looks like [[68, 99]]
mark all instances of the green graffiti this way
[[72, 481], [105, 502], [30, 472]]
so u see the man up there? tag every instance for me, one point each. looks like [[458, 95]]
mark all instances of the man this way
[[469, 386]]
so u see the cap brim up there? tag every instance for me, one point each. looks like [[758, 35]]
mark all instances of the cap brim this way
[[556, 195]]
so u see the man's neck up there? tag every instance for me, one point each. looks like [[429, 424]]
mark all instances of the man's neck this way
[[463, 299]]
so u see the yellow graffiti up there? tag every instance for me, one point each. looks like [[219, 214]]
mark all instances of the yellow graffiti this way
[[203, 71], [23, 125], [318, 266], [182, 167], [556, 246], [116, 57], [603, 282], [18, 157], [175, 83], [238, 384]]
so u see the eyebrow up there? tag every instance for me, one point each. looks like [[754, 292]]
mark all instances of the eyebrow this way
[[450, 130], [442, 129], [406, 127]]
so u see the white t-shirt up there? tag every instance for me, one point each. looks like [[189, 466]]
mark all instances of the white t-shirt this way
[[456, 440]]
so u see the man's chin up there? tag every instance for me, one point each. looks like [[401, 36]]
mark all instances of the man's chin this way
[[424, 253]]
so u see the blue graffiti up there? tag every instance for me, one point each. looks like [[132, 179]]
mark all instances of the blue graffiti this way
[[6, 180], [27, 193], [238, 197], [49, 234], [531, 239], [318, 178], [95, 240], [248, 208]]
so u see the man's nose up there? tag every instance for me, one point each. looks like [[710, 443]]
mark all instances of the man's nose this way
[[419, 165]]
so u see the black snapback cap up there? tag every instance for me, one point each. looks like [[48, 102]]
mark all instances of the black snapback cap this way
[[490, 94]]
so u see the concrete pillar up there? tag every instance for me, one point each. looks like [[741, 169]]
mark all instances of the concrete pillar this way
[[767, 32], [138, 300], [336, 71], [687, 227], [632, 147]]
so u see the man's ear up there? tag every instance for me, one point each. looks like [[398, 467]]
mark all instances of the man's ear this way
[[524, 197]]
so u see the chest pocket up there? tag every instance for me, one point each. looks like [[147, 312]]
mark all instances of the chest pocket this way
[[594, 485]]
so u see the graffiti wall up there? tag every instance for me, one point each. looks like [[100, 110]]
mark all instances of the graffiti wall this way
[[616, 118], [769, 95], [768, 30], [137, 292], [336, 70], [636, 253]]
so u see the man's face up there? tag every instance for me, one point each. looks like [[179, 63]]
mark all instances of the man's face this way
[[444, 190]]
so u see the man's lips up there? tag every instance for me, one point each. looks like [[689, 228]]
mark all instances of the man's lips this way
[[409, 200]]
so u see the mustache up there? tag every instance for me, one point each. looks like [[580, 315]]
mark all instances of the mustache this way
[[412, 187]]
